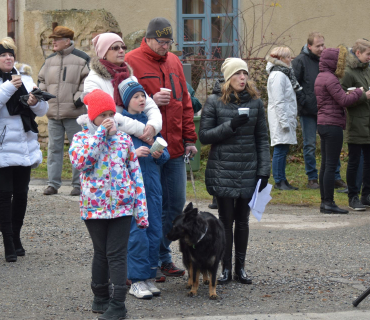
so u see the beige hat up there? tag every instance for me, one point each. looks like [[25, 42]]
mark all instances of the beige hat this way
[[231, 66]]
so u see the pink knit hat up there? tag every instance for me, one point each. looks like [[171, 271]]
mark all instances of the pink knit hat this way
[[103, 41]]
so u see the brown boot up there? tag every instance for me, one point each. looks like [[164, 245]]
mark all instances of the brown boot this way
[[313, 184], [340, 184], [50, 190]]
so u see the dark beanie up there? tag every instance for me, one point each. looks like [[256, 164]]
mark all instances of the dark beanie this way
[[127, 89], [3, 50], [159, 28]]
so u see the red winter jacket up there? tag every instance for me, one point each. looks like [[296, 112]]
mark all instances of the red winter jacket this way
[[331, 98], [154, 72]]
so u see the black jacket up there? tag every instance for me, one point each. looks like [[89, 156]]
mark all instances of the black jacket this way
[[306, 69], [236, 157]]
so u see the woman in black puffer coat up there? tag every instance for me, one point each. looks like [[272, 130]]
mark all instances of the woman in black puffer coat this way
[[239, 156]]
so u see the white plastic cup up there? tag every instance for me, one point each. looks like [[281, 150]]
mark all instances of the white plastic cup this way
[[166, 90], [351, 89], [16, 76], [243, 111], [158, 145]]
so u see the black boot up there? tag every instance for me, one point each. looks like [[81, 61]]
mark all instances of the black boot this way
[[226, 275], [10, 254], [117, 309], [17, 241], [6, 225], [240, 274], [213, 205], [101, 297]]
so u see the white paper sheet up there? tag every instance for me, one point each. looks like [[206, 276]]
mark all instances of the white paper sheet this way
[[260, 200]]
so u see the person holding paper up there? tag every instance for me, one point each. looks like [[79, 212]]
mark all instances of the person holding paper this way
[[239, 157], [282, 87]]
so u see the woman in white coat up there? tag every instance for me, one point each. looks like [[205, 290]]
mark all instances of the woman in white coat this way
[[107, 71], [282, 111], [19, 149]]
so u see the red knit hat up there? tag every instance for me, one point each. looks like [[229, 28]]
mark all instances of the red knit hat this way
[[98, 102]]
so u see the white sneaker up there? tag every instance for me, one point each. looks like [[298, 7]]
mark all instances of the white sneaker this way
[[152, 288], [140, 290]]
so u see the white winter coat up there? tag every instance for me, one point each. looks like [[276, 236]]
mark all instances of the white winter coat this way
[[17, 147], [282, 106], [99, 78]]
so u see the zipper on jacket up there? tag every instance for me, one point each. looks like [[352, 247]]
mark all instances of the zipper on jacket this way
[[64, 73], [2, 137], [173, 87], [151, 77]]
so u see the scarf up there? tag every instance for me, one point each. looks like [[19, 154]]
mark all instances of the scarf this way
[[15, 107], [289, 72], [118, 75]]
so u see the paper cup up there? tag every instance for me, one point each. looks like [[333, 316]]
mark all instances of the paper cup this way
[[16, 76], [351, 89], [166, 89], [158, 145], [243, 111]]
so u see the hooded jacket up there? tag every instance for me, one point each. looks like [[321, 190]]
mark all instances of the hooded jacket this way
[[236, 157], [306, 69], [100, 78], [154, 72], [111, 180], [357, 74], [17, 147], [63, 75], [331, 98], [282, 105]]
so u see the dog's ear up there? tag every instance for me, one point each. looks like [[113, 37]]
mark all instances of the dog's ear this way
[[191, 214], [189, 207]]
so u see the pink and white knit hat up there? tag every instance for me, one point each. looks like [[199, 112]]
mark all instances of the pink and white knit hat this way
[[102, 42]]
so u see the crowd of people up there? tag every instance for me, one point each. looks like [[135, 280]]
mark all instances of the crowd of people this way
[[115, 106]]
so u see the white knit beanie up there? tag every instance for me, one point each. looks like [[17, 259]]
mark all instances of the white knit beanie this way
[[233, 65]]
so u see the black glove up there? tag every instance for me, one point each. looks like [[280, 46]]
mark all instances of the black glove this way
[[239, 121], [264, 181]]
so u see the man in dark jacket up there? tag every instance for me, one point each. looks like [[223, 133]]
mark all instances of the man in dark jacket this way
[[306, 69], [156, 68]]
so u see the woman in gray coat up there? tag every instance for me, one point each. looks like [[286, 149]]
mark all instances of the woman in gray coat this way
[[239, 157]]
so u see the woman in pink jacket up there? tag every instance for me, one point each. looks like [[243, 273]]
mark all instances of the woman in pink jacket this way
[[331, 120]]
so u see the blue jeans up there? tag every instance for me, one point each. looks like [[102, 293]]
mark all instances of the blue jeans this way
[[309, 127], [279, 162], [173, 179]]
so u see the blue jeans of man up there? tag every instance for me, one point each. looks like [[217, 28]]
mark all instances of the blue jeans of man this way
[[173, 179], [279, 162], [309, 128]]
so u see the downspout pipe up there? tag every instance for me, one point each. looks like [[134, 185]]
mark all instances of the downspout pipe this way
[[11, 18]]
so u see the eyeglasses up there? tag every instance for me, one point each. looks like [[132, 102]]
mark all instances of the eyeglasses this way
[[163, 43], [118, 47]]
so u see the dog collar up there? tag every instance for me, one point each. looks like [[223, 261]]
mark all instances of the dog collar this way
[[201, 237]]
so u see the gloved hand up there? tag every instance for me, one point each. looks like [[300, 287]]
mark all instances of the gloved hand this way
[[286, 129], [264, 181], [239, 121]]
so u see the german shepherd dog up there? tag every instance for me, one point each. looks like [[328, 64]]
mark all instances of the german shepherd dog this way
[[202, 243]]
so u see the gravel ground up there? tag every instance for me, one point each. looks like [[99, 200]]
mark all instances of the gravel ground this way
[[300, 261]]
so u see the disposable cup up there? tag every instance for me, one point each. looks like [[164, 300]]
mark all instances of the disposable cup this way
[[243, 111], [158, 145], [16, 76], [351, 89], [165, 89]]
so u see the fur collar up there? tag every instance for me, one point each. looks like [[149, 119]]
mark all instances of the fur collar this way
[[354, 63], [85, 122], [341, 64], [102, 71], [277, 62]]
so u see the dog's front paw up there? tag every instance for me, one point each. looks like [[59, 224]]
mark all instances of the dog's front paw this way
[[206, 282], [214, 297], [192, 294]]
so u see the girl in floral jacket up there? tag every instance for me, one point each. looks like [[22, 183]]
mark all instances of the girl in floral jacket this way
[[112, 191]]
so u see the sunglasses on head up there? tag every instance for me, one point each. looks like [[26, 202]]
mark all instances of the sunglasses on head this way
[[118, 47]]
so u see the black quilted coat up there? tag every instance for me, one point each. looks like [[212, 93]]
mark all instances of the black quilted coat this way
[[236, 157]]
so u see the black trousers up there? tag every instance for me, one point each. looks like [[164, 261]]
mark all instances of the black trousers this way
[[109, 238], [14, 183], [230, 210], [354, 155], [331, 145]]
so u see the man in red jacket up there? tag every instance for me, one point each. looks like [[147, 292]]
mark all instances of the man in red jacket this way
[[156, 68]]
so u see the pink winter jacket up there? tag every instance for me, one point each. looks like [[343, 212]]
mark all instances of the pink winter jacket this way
[[331, 98]]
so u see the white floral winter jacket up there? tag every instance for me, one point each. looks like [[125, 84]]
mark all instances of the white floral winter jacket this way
[[111, 181]]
